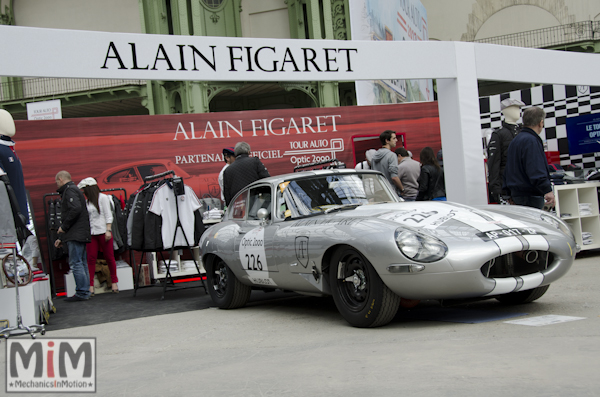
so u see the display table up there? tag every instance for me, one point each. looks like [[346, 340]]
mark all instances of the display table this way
[[124, 274], [179, 267], [35, 303], [577, 204]]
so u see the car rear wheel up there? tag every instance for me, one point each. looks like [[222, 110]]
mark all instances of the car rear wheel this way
[[515, 298], [358, 292], [225, 289]]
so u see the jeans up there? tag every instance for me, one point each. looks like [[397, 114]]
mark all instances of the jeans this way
[[529, 201], [78, 265]]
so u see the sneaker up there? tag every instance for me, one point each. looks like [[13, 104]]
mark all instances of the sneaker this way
[[74, 298]]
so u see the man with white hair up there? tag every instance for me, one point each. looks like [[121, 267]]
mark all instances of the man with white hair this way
[[242, 172]]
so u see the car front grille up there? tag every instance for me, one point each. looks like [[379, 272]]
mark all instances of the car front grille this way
[[517, 264]]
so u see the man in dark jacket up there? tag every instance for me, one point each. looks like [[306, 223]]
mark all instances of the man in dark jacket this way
[[526, 174], [75, 232], [242, 172]]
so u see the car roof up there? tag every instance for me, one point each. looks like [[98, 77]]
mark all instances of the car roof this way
[[275, 180]]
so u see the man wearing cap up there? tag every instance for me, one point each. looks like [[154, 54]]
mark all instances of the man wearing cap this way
[[366, 165], [498, 146], [75, 232], [526, 175], [228, 157]]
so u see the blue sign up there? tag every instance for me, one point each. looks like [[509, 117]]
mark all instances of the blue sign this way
[[583, 133]]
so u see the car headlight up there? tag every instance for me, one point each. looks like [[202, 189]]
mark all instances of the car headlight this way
[[558, 223], [420, 247]]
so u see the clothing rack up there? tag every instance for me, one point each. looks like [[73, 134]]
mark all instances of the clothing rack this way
[[51, 243], [168, 279]]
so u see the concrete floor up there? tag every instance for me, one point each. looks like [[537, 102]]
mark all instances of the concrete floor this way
[[300, 346]]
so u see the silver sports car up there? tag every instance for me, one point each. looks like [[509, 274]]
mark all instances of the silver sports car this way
[[345, 233]]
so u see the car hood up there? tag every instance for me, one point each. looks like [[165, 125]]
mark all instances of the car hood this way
[[453, 219]]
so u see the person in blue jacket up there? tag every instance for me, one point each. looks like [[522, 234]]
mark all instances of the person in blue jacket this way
[[526, 176]]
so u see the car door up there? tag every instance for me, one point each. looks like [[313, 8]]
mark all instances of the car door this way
[[253, 246]]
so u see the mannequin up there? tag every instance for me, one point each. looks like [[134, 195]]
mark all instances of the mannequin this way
[[10, 163], [498, 147], [512, 114]]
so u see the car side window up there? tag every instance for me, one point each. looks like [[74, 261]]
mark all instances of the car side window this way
[[151, 169], [238, 207], [126, 175], [260, 197]]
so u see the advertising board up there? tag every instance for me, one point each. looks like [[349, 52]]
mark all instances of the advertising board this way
[[583, 133], [120, 151]]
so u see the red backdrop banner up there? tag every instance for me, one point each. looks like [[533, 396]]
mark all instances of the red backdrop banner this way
[[120, 151]]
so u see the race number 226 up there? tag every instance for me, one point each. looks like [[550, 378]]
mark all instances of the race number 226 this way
[[253, 262]]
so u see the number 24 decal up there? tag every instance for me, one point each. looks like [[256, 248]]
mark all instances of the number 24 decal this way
[[256, 263], [423, 216]]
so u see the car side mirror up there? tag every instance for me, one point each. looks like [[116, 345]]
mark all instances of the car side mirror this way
[[262, 215]]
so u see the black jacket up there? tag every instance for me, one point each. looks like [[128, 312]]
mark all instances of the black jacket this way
[[497, 150], [74, 215], [431, 183], [526, 172], [242, 172]]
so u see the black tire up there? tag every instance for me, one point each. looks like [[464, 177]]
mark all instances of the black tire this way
[[515, 298], [226, 291], [359, 294]]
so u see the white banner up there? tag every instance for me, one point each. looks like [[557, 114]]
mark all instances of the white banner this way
[[86, 54], [46, 110]]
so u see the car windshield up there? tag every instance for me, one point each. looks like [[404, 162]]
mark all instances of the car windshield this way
[[314, 195]]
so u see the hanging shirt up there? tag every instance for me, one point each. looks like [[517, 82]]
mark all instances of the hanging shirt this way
[[163, 204], [221, 181]]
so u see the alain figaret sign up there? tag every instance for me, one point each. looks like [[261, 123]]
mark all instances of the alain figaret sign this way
[[87, 54]]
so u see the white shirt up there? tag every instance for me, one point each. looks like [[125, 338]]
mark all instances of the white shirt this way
[[98, 221], [163, 204], [221, 181]]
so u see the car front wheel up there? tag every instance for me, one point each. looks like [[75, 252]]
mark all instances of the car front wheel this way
[[515, 298], [225, 289], [358, 292]]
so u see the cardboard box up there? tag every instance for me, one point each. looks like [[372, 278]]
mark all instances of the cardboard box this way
[[144, 278]]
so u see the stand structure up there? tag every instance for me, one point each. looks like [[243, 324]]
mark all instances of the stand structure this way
[[168, 279], [19, 328]]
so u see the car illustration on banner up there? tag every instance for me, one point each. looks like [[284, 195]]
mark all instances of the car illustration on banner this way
[[344, 233], [131, 176]]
